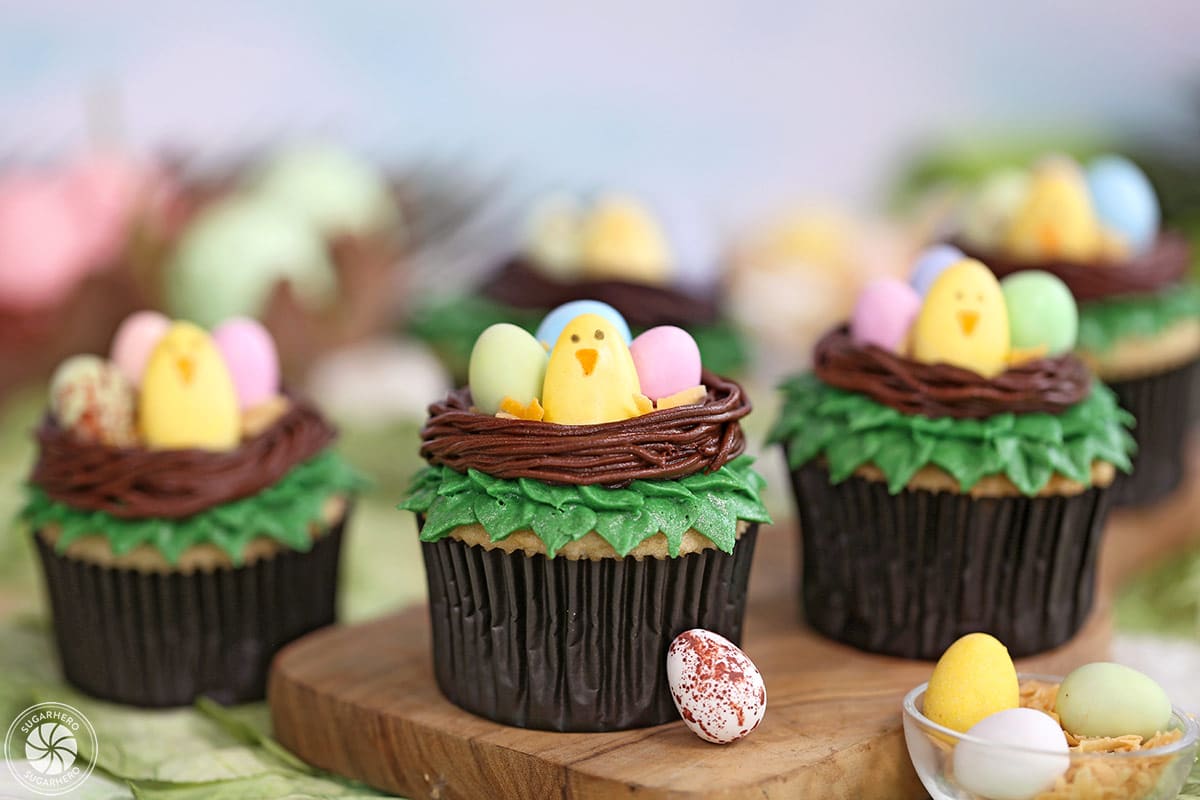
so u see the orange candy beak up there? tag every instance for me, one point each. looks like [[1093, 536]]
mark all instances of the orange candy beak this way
[[587, 359], [967, 320]]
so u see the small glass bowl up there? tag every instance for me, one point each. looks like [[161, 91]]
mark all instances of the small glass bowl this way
[[1156, 774]]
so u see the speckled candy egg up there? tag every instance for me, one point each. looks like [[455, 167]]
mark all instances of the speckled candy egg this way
[[991, 209], [932, 262], [719, 692], [973, 679], [554, 322], [506, 362], [884, 313], [667, 361], [1012, 773], [253, 362], [135, 341], [1124, 200], [1105, 699], [1041, 312], [91, 398]]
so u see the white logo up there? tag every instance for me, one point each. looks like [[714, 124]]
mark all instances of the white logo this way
[[58, 745]]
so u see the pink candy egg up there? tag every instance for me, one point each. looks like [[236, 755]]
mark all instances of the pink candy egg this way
[[667, 361], [42, 254], [719, 692], [135, 341], [251, 357], [884, 313]]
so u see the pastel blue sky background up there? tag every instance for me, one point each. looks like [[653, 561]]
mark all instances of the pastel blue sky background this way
[[736, 106]]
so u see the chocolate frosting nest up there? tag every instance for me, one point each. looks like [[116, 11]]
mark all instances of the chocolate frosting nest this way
[[1049, 385], [137, 483], [520, 284], [661, 445], [1164, 264]]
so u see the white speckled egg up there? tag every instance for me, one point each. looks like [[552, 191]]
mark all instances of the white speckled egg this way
[[1024, 754], [719, 692]]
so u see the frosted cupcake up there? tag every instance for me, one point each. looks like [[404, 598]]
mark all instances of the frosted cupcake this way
[[1097, 228], [188, 515], [612, 250], [950, 459], [580, 510]]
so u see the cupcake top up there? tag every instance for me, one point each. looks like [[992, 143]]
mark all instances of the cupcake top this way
[[960, 372], [579, 430], [180, 438], [1098, 228]]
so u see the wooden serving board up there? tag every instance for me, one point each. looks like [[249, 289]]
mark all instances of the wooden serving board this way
[[361, 702]]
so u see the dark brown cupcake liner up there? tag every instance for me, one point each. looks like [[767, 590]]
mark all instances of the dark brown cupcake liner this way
[[908, 574], [563, 645], [159, 639], [1165, 408]]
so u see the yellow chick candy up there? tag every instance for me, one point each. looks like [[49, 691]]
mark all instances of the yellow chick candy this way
[[964, 321], [591, 377], [973, 679], [1056, 219], [620, 240], [188, 399]]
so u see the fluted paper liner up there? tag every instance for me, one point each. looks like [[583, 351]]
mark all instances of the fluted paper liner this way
[[159, 639], [908, 574], [1165, 408], [566, 645]]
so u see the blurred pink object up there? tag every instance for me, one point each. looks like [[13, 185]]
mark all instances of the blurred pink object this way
[[42, 249], [884, 313], [106, 190], [135, 341], [667, 361], [251, 357]]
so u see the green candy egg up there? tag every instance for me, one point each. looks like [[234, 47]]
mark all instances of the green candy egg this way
[[1041, 312], [331, 188], [231, 257], [1105, 699], [506, 362]]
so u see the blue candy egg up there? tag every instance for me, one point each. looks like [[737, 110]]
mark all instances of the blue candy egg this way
[[1124, 200], [930, 264], [548, 332]]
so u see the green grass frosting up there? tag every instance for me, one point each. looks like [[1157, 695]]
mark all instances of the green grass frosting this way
[[283, 512], [1104, 323], [712, 503], [850, 429]]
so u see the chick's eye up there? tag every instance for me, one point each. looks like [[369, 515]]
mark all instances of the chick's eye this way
[[958, 295], [574, 337], [979, 297], [599, 334]]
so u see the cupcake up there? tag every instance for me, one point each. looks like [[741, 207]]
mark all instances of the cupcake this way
[[308, 239], [188, 514], [1098, 229], [951, 460], [581, 508], [612, 250]]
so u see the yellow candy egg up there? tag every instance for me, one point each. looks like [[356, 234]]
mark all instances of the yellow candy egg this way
[[963, 321], [591, 376], [188, 399], [620, 240], [973, 679], [506, 362], [1056, 220]]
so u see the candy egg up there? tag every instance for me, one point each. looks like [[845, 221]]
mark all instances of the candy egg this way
[[1041, 312], [991, 209], [252, 360], [719, 692], [621, 240], [1012, 773], [884, 313], [91, 398], [42, 250], [931, 263], [554, 322], [1124, 200], [506, 362], [973, 679], [188, 399], [1105, 699], [667, 360], [552, 236], [1056, 220], [135, 341], [964, 321]]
